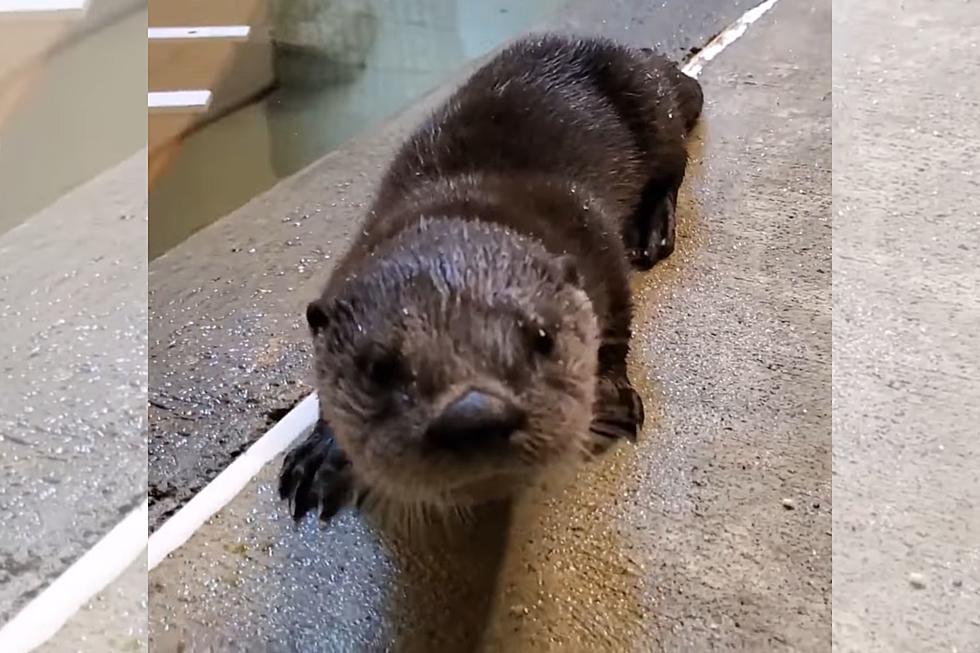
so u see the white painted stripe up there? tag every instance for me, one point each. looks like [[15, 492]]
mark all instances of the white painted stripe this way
[[196, 100], [216, 494], [235, 32], [103, 563], [731, 34], [41, 6]]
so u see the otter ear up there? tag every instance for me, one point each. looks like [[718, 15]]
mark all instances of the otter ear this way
[[316, 317], [569, 270]]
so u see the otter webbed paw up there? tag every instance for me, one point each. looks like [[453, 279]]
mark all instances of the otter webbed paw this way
[[618, 415], [316, 475]]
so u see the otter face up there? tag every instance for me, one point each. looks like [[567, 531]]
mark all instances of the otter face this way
[[456, 364]]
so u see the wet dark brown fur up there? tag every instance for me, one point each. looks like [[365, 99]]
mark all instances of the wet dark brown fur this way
[[494, 264]]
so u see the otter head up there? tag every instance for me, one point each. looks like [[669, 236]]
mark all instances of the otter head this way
[[455, 362]]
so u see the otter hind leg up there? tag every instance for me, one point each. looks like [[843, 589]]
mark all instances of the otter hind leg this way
[[316, 475]]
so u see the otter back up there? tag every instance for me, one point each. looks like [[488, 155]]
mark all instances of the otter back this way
[[560, 138]]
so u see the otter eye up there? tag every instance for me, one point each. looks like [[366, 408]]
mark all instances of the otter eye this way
[[382, 367], [543, 342], [384, 371]]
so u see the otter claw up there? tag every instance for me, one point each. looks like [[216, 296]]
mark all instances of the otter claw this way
[[619, 414], [644, 259], [316, 476]]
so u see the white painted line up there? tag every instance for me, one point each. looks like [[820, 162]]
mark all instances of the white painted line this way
[[193, 100], [219, 492], [41, 6], [40, 619], [233, 32], [730, 34]]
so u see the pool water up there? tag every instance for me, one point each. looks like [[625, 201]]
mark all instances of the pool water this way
[[341, 67]]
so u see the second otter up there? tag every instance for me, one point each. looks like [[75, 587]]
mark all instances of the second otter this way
[[477, 331]]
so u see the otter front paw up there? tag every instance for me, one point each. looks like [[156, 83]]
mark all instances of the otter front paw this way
[[659, 243], [651, 239], [619, 414], [316, 475]]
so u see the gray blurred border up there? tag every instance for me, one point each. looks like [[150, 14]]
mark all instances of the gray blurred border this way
[[906, 390]]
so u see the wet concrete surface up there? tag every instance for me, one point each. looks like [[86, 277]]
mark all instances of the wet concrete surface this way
[[906, 309], [713, 533], [72, 378], [229, 349]]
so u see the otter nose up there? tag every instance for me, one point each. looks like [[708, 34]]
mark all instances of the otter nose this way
[[474, 420]]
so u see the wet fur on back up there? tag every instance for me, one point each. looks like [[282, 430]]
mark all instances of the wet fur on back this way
[[505, 225]]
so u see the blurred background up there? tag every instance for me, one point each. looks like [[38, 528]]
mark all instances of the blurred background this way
[[73, 293]]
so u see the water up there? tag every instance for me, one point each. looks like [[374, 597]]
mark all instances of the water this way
[[342, 67]]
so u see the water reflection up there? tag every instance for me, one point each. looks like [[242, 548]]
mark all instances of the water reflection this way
[[341, 67]]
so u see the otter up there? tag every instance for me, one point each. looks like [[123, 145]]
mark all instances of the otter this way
[[477, 331]]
